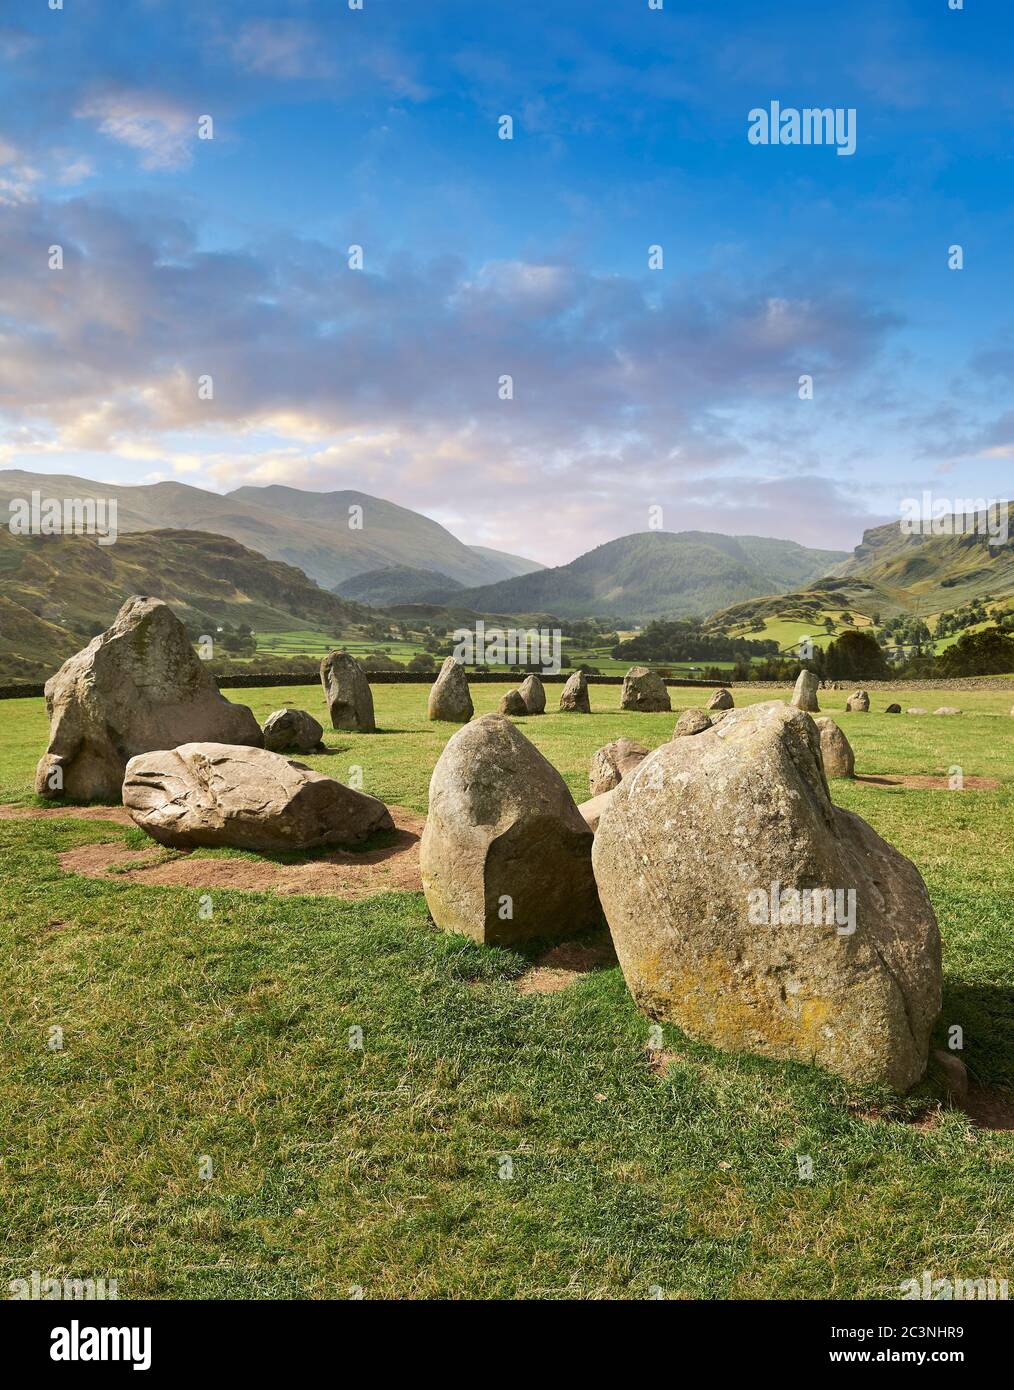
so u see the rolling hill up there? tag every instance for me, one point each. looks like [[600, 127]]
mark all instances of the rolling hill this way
[[398, 584], [56, 592], [307, 529], [657, 574]]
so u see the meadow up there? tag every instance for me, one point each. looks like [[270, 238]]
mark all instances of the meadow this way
[[207, 1131]]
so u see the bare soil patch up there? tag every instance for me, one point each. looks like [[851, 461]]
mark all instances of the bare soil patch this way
[[564, 964], [117, 814], [928, 783], [340, 873]]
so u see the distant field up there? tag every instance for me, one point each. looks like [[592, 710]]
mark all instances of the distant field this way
[[789, 632], [382, 1169]]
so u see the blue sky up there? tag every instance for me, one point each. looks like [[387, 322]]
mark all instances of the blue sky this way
[[484, 257]]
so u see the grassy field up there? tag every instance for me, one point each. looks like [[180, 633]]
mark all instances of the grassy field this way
[[483, 1142]]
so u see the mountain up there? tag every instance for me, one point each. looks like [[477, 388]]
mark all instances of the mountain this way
[[307, 529], [56, 592], [509, 565], [656, 574], [398, 584], [930, 574], [889, 573]]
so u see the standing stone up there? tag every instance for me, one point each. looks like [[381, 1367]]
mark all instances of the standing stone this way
[[246, 798], [714, 873], [347, 693], [858, 703], [609, 765], [533, 692], [835, 750], [512, 703], [449, 694], [575, 694], [137, 686], [805, 694], [292, 729], [505, 856], [644, 690], [691, 721], [721, 699], [893, 709]]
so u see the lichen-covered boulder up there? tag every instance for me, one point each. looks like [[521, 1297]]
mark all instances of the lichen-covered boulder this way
[[691, 721], [512, 703], [804, 696], [450, 698], [612, 762], [574, 697], [835, 750], [533, 692], [216, 794], [754, 914], [293, 731], [137, 686], [644, 690], [505, 856], [858, 703], [721, 699], [347, 693]]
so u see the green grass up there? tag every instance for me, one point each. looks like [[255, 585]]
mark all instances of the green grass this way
[[381, 1168]]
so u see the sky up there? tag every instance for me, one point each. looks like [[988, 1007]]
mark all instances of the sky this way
[[634, 385]]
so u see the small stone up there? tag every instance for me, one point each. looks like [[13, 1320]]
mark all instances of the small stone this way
[[533, 692], [721, 699], [293, 730], [574, 697], [691, 721]]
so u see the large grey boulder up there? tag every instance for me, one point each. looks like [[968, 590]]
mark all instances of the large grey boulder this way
[[858, 703], [721, 699], [804, 696], [691, 721], [574, 697], [835, 750], [247, 798], [505, 856], [702, 861], [450, 698], [612, 763], [644, 690], [347, 693], [533, 692], [139, 685], [292, 730]]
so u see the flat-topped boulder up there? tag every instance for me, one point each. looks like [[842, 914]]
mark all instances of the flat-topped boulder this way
[[292, 731], [533, 692], [574, 697], [216, 794], [947, 709], [505, 856], [691, 721], [750, 911], [858, 703], [612, 762], [644, 690], [721, 699], [450, 699], [804, 696], [137, 686], [835, 750], [347, 693]]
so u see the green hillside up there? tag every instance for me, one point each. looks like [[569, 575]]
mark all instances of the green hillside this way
[[397, 584], [657, 574], [307, 529], [56, 592]]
